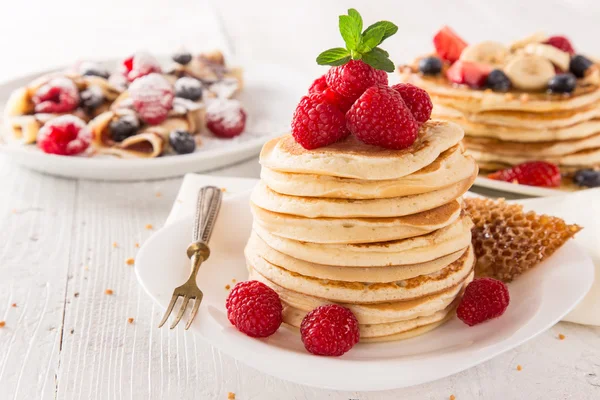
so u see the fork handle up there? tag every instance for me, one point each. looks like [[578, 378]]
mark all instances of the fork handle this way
[[207, 209]]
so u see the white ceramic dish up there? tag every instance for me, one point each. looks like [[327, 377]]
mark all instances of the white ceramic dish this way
[[539, 299], [270, 96], [516, 188]]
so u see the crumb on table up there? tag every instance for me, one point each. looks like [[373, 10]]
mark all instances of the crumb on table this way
[[224, 190], [130, 320], [519, 368], [14, 305], [137, 245], [108, 292], [2, 324], [130, 261], [158, 194], [233, 280], [227, 287], [561, 336], [115, 245], [149, 227], [230, 396], [452, 397]]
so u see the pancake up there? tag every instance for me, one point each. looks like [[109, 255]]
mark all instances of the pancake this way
[[372, 313], [256, 247], [356, 230], [351, 158], [368, 292], [442, 242], [451, 167], [411, 333], [580, 159], [312, 207]]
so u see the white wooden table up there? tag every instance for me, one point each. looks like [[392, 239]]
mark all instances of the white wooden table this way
[[67, 339]]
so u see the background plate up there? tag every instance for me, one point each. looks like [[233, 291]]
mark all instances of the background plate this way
[[525, 190]]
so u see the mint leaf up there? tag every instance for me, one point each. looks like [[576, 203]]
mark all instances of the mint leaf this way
[[371, 38], [350, 32], [389, 27], [352, 13], [336, 56], [378, 59]]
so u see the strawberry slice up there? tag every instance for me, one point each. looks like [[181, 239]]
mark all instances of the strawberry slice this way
[[533, 173], [468, 73], [448, 44], [561, 43]]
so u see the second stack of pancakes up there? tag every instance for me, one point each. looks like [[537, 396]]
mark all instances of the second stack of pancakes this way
[[379, 231]]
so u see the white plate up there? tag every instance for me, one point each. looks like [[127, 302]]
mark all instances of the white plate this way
[[270, 96], [516, 188], [539, 299]]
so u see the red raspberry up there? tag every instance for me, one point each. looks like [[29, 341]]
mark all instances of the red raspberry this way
[[329, 330], [532, 173], [138, 65], [484, 298], [448, 45], [561, 43], [318, 86], [152, 97], [317, 122], [59, 95], [254, 309], [417, 100], [353, 78], [225, 118], [380, 117], [65, 135]]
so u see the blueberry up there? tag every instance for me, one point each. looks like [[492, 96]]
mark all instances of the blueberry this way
[[91, 99], [498, 81], [124, 127], [430, 65], [93, 69], [579, 64], [182, 142], [188, 88], [182, 58], [562, 83], [587, 177]]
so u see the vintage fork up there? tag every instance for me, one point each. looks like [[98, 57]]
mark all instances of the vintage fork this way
[[209, 203]]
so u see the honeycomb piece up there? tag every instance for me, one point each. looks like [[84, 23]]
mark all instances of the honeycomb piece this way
[[509, 241]]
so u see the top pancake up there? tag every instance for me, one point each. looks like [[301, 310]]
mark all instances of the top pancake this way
[[351, 158]]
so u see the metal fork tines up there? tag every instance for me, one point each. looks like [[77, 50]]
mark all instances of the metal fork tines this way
[[209, 203]]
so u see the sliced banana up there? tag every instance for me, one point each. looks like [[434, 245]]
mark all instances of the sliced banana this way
[[488, 52], [538, 37], [529, 71], [556, 56]]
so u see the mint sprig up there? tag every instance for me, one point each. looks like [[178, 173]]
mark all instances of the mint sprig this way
[[360, 45]]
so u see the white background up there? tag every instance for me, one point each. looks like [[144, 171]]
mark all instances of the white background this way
[[68, 340]]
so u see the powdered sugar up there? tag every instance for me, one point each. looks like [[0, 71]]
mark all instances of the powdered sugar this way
[[229, 112], [225, 88]]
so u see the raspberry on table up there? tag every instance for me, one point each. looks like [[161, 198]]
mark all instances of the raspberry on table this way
[[317, 122], [381, 118], [58, 95], [329, 330], [484, 299], [353, 78], [417, 100], [254, 309], [561, 43], [225, 118], [138, 65], [66, 135], [532, 173], [152, 97]]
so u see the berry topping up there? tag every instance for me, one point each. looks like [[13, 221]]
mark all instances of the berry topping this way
[[484, 299], [152, 97], [317, 122], [182, 142], [430, 65], [448, 45], [319, 85], [91, 99], [561, 43], [225, 118], [66, 135], [533, 173], [468, 73], [124, 127], [182, 57], [498, 81], [587, 177], [417, 100], [188, 88], [254, 309], [59, 95], [329, 330], [380, 117], [352, 79], [138, 65], [579, 65], [562, 83], [88, 68]]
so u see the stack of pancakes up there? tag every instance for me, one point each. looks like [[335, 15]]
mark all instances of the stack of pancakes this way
[[503, 129], [379, 231]]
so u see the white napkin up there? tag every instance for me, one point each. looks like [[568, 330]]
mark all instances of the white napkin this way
[[581, 208]]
